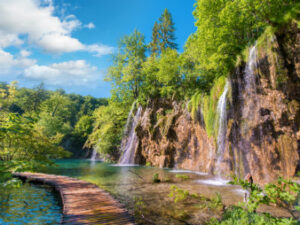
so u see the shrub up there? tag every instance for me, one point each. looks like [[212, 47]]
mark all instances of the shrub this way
[[155, 178], [182, 176]]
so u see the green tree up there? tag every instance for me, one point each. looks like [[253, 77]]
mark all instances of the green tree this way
[[226, 28], [23, 146], [166, 31], [126, 70], [151, 87], [108, 128], [55, 115], [169, 73], [154, 44]]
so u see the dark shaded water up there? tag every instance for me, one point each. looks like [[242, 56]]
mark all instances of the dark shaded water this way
[[29, 204]]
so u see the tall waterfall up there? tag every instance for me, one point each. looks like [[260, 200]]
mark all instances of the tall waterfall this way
[[221, 142], [130, 140], [250, 93]]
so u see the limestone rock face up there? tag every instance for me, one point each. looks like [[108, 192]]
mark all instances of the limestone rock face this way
[[263, 120], [169, 138], [264, 133]]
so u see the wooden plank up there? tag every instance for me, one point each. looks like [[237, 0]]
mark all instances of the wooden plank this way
[[83, 202]]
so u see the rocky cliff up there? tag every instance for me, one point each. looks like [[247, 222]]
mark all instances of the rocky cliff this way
[[261, 116]]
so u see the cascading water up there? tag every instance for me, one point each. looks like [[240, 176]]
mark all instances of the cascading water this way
[[250, 84], [130, 141], [221, 142], [128, 124], [251, 103], [251, 112], [94, 155]]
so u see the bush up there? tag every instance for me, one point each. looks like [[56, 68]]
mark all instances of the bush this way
[[182, 176], [155, 178]]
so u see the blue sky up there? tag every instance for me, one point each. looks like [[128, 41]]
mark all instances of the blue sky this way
[[68, 43]]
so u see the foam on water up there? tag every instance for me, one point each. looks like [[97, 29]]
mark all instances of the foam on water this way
[[187, 171], [214, 182], [125, 165]]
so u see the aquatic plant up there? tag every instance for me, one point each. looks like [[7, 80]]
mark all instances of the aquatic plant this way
[[178, 194], [182, 176], [155, 178]]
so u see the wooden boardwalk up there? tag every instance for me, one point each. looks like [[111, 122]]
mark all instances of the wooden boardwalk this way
[[83, 202]]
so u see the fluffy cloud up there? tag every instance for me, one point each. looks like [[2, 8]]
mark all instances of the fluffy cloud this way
[[69, 73], [36, 19], [9, 39], [10, 64], [99, 50]]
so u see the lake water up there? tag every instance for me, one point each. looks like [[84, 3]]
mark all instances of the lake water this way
[[29, 204], [133, 186]]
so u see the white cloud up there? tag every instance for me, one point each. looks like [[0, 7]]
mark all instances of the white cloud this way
[[36, 19], [99, 50], [24, 53], [90, 25], [68, 73], [8, 39], [10, 64], [56, 43]]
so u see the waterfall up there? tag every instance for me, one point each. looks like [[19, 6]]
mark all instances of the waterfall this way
[[130, 141], [128, 124], [250, 84], [221, 142], [94, 155]]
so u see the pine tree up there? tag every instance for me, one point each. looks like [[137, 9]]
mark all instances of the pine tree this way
[[154, 44], [166, 31]]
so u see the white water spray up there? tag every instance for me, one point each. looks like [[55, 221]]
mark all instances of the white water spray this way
[[130, 141], [94, 155], [250, 85], [221, 142]]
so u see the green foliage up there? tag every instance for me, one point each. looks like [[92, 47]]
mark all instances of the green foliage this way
[[164, 121], [35, 123], [178, 194], [236, 215], [139, 206], [155, 178], [182, 176], [154, 44], [166, 31], [23, 146], [108, 128], [284, 194], [125, 73], [226, 28], [194, 104], [216, 202], [168, 74], [209, 107]]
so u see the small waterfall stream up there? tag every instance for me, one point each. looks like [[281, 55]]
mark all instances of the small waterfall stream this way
[[94, 155], [130, 140], [250, 84], [221, 142], [128, 124]]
